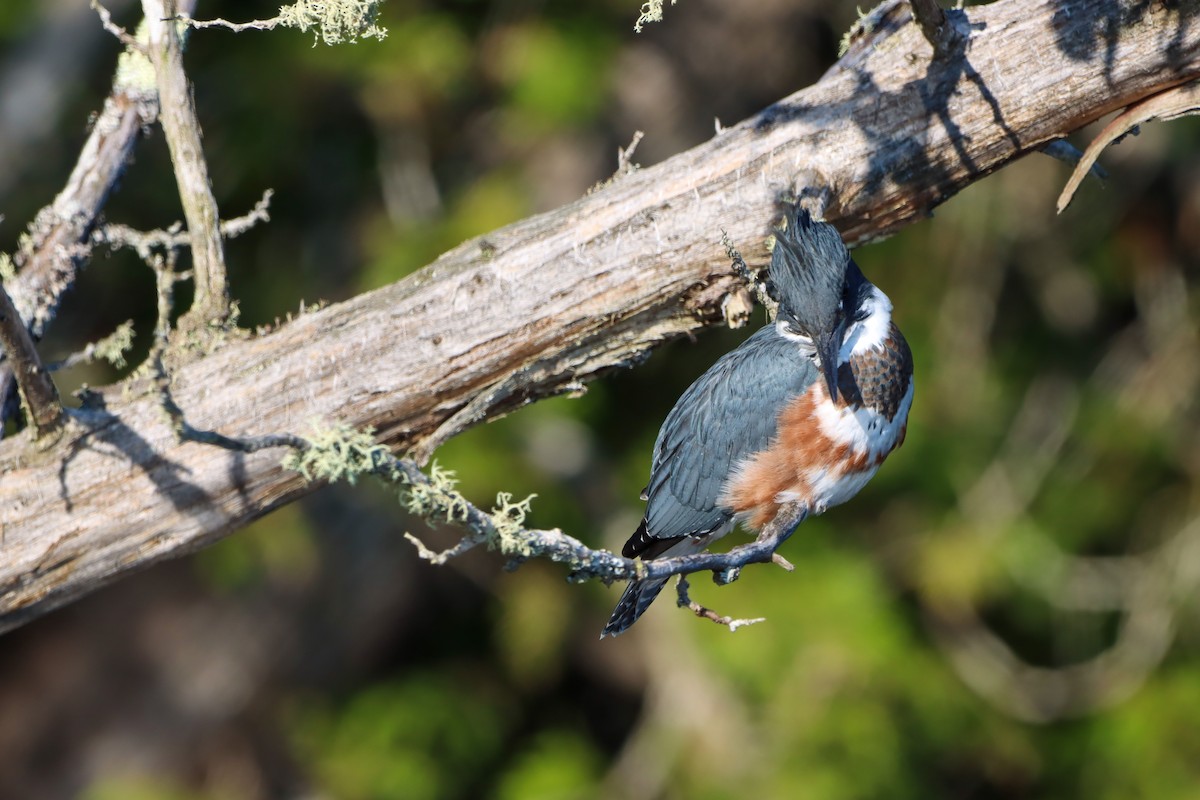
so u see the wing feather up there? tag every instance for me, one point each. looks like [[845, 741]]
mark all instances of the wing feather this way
[[726, 415]]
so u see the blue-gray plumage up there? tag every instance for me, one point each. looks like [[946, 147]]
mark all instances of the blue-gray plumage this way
[[754, 428], [766, 368], [683, 503]]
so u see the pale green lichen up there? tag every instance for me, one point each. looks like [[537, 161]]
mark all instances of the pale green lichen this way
[[8, 270], [508, 518], [341, 452], [334, 21], [863, 26], [439, 499], [336, 453], [135, 73], [652, 11], [112, 348]]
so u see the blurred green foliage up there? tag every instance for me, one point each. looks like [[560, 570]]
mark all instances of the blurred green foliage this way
[[142, 788], [426, 737], [1055, 415]]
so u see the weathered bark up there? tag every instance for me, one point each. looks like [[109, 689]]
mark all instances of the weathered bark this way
[[540, 306], [38, 391]]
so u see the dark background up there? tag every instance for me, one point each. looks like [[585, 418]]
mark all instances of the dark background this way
[[938, 637]]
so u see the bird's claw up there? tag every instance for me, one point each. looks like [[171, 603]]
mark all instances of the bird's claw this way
[[723, 577]]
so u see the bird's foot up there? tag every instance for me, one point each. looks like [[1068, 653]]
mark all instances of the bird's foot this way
[[724, 577]]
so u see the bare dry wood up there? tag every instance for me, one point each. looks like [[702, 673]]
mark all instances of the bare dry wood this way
[[541, 306], [1171, 104]]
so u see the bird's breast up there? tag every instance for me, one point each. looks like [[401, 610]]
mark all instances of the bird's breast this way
[[824, 452]]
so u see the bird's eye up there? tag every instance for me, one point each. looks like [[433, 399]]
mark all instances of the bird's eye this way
[[861, 314]]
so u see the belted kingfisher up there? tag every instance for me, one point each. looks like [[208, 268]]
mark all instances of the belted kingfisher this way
[[804, 411]]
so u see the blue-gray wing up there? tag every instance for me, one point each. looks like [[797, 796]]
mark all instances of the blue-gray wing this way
[[727, 414]]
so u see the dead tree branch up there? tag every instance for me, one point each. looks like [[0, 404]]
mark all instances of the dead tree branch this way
[[51, 256], [571, 293], [182, 129]]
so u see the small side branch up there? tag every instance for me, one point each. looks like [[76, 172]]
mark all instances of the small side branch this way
[[754, 281], [41, 398], [685, 601], [165, 280], [1064, 151], [252, 444], [173, 236], [625, 162], [111, 348], [123, 36], [182, 130], [521, 544], [237, 27]]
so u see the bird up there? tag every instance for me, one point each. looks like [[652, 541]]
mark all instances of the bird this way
[[803, 412]]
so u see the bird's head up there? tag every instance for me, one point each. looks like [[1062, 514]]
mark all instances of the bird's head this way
[[820, 290]]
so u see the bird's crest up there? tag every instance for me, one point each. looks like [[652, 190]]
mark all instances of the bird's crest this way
[[808, 269]]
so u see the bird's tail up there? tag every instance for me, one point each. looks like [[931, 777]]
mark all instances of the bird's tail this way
[[640, 594], [637, 598]]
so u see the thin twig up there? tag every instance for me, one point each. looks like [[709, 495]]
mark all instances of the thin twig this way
[[685, 601], [111, 348], [606, 566], [165, 280], [173, 236], [754, 280], [233, 228], [116, 30], [439, 558], [625, 162], [782, 563], [49, 262], [236, 27]]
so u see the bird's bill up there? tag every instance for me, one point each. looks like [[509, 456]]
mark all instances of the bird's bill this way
[[827, 350]]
